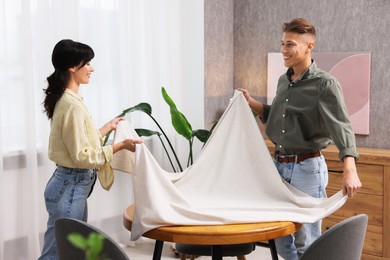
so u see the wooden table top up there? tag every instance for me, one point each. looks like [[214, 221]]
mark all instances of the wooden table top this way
[[216, 234]]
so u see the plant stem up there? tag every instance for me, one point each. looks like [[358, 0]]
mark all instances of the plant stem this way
[[166, 151], [170, 145], [190, 157]]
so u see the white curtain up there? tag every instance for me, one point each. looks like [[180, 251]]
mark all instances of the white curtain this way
[[140, 46]]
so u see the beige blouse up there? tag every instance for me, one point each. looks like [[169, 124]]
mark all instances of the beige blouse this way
[[74, 141]]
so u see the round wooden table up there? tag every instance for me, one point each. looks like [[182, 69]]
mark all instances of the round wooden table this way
[[215, 235]]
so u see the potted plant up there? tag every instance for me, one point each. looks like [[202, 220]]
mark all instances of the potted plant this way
[[180, 124]]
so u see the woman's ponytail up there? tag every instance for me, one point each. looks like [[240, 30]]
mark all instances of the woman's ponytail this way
[[56, 87]]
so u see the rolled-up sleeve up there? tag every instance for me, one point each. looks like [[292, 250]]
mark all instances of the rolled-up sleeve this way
[[334, 112], [82, 141]]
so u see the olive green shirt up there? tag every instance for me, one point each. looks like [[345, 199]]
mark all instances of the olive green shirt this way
[[307, 114]]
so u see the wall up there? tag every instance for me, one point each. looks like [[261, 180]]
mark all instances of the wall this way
[[218, 53], [342, 26]]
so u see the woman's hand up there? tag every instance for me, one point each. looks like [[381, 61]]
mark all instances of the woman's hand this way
[[128, 144], [110, 125]]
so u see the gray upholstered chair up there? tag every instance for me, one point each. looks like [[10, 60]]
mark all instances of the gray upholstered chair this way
[[66, 251], [343, 241]]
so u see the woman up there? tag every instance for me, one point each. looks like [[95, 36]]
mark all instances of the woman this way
[[75, 142]]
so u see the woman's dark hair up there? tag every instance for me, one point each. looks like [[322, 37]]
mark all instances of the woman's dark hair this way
[[66, 54]]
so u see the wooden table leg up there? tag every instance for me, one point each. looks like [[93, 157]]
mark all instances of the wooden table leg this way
[[272, 247], [158, 247], [216, 252]]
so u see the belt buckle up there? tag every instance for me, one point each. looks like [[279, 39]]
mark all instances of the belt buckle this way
[[296, 158], [277, 156], [287, 156]]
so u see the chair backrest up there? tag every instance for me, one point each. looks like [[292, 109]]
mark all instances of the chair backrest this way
[[343, 241], [66, 251]]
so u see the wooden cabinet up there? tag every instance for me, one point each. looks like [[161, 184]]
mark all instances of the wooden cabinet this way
[[373, 199]]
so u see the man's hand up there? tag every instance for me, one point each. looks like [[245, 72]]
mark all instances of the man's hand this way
[[245, 93], [255, 105], [351, 181]]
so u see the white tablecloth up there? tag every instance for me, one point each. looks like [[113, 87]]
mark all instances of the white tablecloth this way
[[233, 180]]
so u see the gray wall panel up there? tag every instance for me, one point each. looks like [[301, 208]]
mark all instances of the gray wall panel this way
[[342, 26], [219, 20]]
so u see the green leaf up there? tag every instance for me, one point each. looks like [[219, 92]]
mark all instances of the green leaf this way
[[181, 125], [77, 240], [167, 98], [95, 243], [179, 121], [146, 132], [202, 135], [143, 107]]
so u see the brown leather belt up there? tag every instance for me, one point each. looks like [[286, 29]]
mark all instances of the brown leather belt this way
[[296, 158]]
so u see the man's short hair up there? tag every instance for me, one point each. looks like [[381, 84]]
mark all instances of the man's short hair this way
[[299, 25]]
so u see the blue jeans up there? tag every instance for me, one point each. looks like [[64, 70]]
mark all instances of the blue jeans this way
[[311, 177], [65, 195]]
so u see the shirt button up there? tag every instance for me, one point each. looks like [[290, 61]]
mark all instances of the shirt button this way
[[286, 99], [280, 146], [291, 84], [283, 131]]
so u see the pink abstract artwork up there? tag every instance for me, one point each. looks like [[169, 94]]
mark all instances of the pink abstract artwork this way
[[352, 71]]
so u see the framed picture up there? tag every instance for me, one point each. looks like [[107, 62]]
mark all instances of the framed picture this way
[[352, 69]]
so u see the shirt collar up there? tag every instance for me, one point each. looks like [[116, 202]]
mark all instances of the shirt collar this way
[[75, 95], [309, 71]]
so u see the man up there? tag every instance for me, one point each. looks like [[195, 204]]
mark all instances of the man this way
[[306, 114]]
